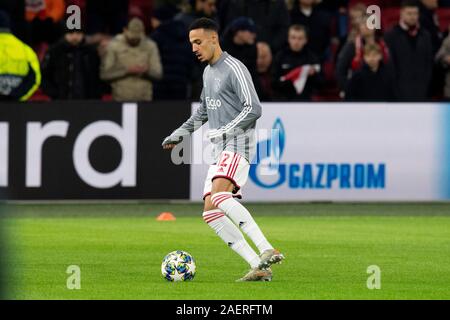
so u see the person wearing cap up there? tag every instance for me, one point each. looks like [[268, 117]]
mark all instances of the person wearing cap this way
[[239, 40], [131, 63], [70, 69], [20, 75], [271, 18]]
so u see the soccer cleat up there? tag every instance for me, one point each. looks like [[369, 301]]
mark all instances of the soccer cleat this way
[[270, 257], [257, 274]]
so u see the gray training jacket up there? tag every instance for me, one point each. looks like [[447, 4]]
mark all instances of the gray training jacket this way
[[230, 104]]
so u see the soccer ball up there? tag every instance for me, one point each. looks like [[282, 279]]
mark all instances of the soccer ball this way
[[178, 266]]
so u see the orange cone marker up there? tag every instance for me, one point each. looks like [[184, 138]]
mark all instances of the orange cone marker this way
[[166, 216]]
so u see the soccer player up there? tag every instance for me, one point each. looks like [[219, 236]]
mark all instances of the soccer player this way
[[231, 106]]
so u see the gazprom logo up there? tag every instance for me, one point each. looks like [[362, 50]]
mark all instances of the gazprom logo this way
[[268, 171]]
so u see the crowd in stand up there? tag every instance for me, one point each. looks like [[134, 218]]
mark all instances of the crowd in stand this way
[[295, 50]]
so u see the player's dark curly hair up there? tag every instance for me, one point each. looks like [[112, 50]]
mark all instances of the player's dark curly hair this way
[[204, 23]]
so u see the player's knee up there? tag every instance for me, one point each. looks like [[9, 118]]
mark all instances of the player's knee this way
[[219, 197], [208, 208], [208, 205]]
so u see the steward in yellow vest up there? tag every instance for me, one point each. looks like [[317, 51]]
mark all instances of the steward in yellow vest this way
[[20, 75]]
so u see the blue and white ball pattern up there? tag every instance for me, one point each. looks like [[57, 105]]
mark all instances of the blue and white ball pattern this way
[[178, 266]]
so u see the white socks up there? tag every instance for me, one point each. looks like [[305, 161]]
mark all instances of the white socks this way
[[241, 217], [231, 235]]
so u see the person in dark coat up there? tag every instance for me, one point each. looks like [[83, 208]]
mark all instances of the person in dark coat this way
[[411, 52], [296, 55], [176, 56], [429, 21], [106, 16], [317, 23], [375, 81], [350, 59], [443, 60], [197, 9], [271, 18], [264, 68], [239, 40], [70, 69]]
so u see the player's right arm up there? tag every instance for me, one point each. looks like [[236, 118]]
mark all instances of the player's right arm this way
[[188, 127]]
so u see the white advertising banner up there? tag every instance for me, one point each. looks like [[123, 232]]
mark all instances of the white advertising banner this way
[[346, 152]]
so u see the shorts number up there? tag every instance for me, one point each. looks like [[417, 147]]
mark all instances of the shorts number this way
[[225, 157]]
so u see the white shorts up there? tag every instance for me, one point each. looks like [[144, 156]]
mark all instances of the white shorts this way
[[231, 166]]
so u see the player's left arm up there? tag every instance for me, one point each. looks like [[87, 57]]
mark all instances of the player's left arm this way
[[247, 99], [189, 126]]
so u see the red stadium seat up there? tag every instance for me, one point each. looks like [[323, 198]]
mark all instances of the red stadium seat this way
[[381, 3], [389, 17], [444, 18], [107, 97], [142, 9], [41, 50], [351, 3], [39, 96], [80, 3]]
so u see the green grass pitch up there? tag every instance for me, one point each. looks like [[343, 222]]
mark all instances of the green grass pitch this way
[[328, 247]]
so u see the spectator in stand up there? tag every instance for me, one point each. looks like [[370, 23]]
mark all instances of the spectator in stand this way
[[70, 69], [411, 53], [197, 9], [350, 59], [239, 40], [443, 59], [263, 66], [297, 68], [271, 18], [106, 16], [16, 11], [44, 17], [356, 14], [20, 75], [332, 6], [104, 20], [131, 63], [222, 10], [318, 26], [374, 81], [338, 10], [176, 56], [429, 21]]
